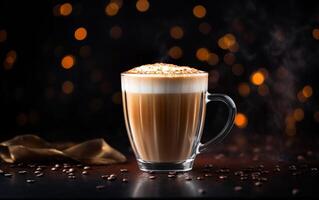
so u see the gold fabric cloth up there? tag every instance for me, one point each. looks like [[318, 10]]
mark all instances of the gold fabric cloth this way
[[31, 148]]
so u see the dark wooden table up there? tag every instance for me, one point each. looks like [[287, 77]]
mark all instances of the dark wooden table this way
[[232, 170]]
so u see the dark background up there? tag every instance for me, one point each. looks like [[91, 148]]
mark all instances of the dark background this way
[[278, 36]]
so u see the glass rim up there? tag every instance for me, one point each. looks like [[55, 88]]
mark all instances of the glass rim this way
[[165, 76]]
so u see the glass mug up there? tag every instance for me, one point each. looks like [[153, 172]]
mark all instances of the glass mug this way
[[164, 117]]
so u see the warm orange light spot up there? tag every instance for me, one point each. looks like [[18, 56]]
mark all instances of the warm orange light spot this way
[[176, 32], [229, 58], [80, 33], [307, 91], [175, 52], [315, 33], [316, 116], [298, 114], [10, 60], [118, 2], [202, 54], [237, 69], [199, 11], [234, 48], [213, 59], [257, 78], [291, 130], [301, 97], [116, 32], [227, 41], [65, 9], [112, 9], [3, 35], [67, 87], [204, 28], [67, 61], [241, 120], [142, 5], [243, 89], [263, 90]]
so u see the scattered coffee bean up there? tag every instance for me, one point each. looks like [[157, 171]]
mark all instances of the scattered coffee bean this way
[[258, 183], [84, 172], [56, 165], [314, 169], [105, 176], [209, 166], [37, 172], [171, 176], [71, 177], [238, 173], [86, 167], [70, 174], [222, 177], [31, 165], [292, 168], [124, 180], [111, 178], [261, 166], [208, 175], [172, 173], [265, 172], [70, 170], [30, 180], [22, 172], [277, 169], [295, 191], [79, 165], [38, 169], [151, 172], [99, 187], [39, 175], [264, 179], [8, 175], [123, 170], [243, 178], [201, 191], [238, 188], [199, 178], [64, 170], [1, 171], [152, 177], [188, 178], [20, 164]]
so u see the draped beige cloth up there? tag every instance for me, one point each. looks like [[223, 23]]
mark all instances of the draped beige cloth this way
[[31, 148]]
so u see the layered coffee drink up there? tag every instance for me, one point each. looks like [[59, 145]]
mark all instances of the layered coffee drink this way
[[164, 107]]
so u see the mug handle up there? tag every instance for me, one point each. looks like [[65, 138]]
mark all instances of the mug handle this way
[[230, 121]]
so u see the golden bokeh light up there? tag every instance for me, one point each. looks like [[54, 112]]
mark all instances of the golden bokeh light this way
[[301, 97], [243, 89], [307, 91], [112, 9], [202, 54], [80, 33], [10, 60], [199, 11], [142, 5], [3, 35], [176, 32], [263, 90], [229, 58], [227, 41], [65, 9], [205, 28], [298, 114], [237, 69], [67, 87], [316, 116], [175, 52], [116, 32], [241, 120], [213, 59], [234, 48], [118, 2], [315, 33], [68, 61], [257, 78], [291, 130]]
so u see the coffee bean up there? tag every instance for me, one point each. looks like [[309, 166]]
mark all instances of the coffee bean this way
[[124, 180], [1, 171], [71, 177], [151, 172], [22, 172], [152, 177], [70, 170], [39, 175], [39, 169], [105, 176], [172, 173], [99, 187], [70, 174], [123, 170], [277, 170], [209, 166], [258, 183], [292, 167], [53, 169], [171, 176], [222, 177], [243, 178], [111, 178], [238, 188], [295, 191], [208, 175], [201, 191], [187, 178], [84, 172], [20, 164], [37, 172], [30, 180], [8, 175], [31, 165], [86, 167], [239, 173], [79, 165], [56, 165], [199, 178], [314, 169]]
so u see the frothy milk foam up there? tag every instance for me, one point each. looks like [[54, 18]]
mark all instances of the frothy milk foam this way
[[161, 78]]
